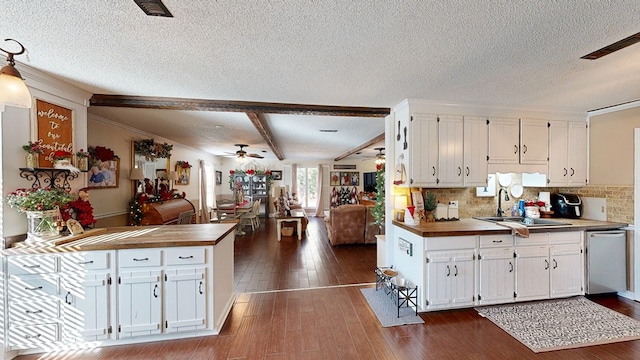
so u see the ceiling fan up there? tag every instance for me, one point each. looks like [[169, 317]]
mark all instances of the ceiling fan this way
[[379, 156], [241, 154]]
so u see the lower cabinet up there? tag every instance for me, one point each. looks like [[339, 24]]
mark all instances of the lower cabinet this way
[[533, 275], [566, 270], [450, 279], [497, 276]]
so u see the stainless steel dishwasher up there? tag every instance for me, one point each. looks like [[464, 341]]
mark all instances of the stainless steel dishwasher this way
[[606, 261]]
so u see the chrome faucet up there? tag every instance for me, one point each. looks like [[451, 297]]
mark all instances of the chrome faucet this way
[[506, 198]]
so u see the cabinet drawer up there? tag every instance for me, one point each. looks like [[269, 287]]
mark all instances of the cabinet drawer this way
[[539, 239], [33, 336], [32, 264], [23, 286], [570, 237], [487, 241], [81, 261], [139, 258], [450, 243], [185, 256], [30, 312]]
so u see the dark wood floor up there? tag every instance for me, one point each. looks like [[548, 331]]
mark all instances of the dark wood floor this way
[[302, 300]]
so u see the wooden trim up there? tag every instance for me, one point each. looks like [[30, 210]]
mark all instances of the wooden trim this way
[[360, 147], [261, 125], [171, 103]]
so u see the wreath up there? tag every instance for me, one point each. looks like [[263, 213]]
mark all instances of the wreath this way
[[150, 150]]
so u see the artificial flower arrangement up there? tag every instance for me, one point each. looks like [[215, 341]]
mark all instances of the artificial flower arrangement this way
[[183, 164], [80, 209], [83, 154], [150, 150], [33, 147], [61, 155], [250, 172], [101, 153], [38, 199]]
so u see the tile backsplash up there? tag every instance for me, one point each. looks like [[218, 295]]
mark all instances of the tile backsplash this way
[[619, 200]]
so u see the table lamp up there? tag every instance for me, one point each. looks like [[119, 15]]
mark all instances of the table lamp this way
[[136, 175], [173, 176]]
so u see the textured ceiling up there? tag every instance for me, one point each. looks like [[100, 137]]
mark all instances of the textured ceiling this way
[[351, 53]]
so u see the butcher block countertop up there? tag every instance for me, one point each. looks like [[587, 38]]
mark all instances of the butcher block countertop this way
[[469, 226], [130, 237]]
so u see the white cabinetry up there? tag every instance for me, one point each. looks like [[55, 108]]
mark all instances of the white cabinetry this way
[[567, 265], [532, 276], [450, 151], [139, 292], [476, 150], [422, 158], [450, 272], [567, 153], [518, 141], [86, 295], [33, 302], [185, 289], [496, 265]]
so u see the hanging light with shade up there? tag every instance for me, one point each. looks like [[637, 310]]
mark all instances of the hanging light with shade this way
[[13, 90]]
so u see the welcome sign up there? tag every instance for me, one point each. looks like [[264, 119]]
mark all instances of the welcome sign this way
[[54, 126]]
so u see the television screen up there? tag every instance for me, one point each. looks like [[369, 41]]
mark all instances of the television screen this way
[[369, 182]]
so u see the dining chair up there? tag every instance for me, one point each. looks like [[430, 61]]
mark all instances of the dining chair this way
[[251, 217], [185, 217]]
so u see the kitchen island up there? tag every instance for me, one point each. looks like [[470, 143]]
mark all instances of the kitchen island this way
[[119, 285], [473, 262]]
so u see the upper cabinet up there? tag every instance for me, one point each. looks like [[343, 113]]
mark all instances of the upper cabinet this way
[[567, 153], [518, 141]]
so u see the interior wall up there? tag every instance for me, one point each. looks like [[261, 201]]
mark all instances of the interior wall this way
[[611, 147]]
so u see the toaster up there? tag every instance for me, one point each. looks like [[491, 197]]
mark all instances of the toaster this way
[[566, 205]]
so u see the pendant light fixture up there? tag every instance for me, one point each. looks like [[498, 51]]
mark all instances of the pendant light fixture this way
[[13, 90]]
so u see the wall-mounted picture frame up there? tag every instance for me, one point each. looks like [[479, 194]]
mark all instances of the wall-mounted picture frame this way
[[349, 178], [276, 175], [218, 177], [53, 125], [104, 174], [334, 178], [184, 175]]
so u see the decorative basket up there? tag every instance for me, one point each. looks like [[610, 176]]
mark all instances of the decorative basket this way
[[287, 231]]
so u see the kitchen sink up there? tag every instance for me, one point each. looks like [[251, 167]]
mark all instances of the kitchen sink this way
[[526, 222]]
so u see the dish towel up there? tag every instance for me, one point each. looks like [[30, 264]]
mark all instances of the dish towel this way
[[516, 228]]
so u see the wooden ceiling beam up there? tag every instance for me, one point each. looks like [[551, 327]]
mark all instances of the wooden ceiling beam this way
[[171, 103], [360, 147], [263, 128]]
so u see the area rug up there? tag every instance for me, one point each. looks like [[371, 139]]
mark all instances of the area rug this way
[[386, 310], [562, 324]]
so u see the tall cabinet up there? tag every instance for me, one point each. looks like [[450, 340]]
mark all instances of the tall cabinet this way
[[255, 187]]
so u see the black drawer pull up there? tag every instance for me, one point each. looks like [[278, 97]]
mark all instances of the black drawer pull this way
[[136, 259], [85, 262], [34, 312], [32, 336], [34, 289], [185, 257], [497, 241], [31, 266]]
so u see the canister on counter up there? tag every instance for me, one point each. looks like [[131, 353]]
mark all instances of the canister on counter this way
[[521, 207]]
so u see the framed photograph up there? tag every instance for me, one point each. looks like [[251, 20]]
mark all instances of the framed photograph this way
[[354, 176], [334, 178], [104, 174], [218, 177], [184, 175], [277, 175]]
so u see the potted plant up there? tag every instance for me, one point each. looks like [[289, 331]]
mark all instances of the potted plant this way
[[42, 207], [430, 205]]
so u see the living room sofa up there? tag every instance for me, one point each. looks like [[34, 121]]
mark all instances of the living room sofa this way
[[351, 224]]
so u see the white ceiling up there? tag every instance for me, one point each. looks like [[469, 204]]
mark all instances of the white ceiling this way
[[516, 53]]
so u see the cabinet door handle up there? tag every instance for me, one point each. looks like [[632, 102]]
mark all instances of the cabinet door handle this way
[[525, 149], [459, 171], [185, 257], [555, 264], [145, 259], [448, 270], [572, 171], [31, 266], [510, 266], [515, 149], [546, 264], [434, 170], [456, 268], [66, 297], [34, 312], [85, 262], [497, 241], [32, 336], [154, 291], [200, 288], [34, 288], [467, 171], [565, 172]]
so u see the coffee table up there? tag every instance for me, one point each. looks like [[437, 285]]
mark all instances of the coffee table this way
[[297, 216]]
